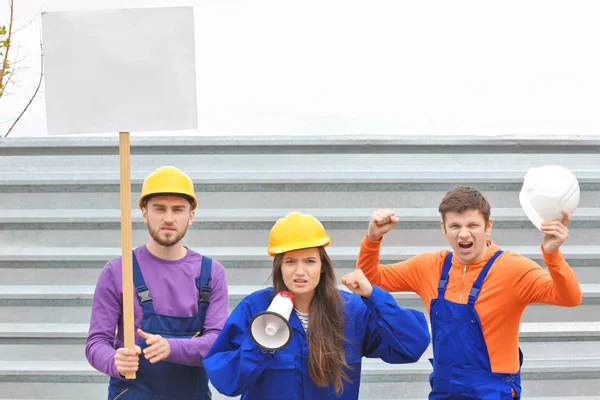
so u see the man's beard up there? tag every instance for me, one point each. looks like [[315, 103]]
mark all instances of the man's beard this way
[[155, 234]]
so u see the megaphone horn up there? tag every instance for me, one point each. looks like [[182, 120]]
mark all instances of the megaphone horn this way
[[271, 329]]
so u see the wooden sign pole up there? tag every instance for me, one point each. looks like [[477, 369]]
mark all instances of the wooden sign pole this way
[[126, 246]]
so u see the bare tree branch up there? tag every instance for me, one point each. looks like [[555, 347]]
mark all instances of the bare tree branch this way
[[36, 89], [7, 47], [32, 19], [10, 76]]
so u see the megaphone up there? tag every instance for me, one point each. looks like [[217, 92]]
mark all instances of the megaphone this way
[[548, 190], [270, 329]]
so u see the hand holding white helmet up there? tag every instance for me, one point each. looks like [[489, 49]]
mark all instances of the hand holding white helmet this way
[[547, 191]]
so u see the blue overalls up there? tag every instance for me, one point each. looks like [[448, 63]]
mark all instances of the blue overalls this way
[[375, 327], [461, 363], [164, 380]]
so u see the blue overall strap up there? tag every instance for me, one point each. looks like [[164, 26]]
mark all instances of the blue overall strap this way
[[143, 293], [477, 285], [203, 289], [444, 276]]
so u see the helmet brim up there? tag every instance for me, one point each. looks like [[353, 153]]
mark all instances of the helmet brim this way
[[144, 200], [321, 242], [530, 212]]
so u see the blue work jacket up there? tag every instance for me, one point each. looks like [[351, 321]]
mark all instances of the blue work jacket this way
[[375, 327]]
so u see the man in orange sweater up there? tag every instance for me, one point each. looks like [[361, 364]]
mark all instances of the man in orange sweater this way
[[475, 294]]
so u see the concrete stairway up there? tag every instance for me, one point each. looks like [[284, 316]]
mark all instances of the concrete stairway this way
[[60, 222]]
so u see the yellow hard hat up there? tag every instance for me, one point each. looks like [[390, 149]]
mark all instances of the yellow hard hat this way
[[168, 181], [296, 231]]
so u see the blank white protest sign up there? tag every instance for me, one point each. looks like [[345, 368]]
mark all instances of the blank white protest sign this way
[[120, 70]]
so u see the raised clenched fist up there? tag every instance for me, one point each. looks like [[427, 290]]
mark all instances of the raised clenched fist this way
[[382, 221]]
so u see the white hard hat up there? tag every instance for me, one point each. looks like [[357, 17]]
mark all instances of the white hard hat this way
[[546, 191]]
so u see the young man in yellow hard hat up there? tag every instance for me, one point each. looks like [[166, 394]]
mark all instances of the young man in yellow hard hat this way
[[180, 307]]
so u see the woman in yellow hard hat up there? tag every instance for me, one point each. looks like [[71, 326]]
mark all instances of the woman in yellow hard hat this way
[[331, 330]]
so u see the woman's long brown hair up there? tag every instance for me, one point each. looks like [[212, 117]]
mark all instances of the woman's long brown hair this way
[[326, 355]]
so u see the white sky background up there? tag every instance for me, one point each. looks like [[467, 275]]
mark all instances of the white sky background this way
[[314, 67]]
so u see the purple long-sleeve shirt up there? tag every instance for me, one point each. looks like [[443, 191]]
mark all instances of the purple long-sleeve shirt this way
[[172, 285]]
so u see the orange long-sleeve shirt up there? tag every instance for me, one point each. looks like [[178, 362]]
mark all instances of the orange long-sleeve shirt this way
[[512, 283]]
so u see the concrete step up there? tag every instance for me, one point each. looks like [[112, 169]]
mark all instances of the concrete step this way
[[20, 389], [289, 153], [259, 144], [79, 265], [64, 349], [72, 304], [528, 331], [591, 293], [68, 312], [288, 197], [86, 273], [545, 398], [98, 392], [443, 150], [263, 218], [540, 377], [298, 159], [196, 236], [249, 254], [250, 227], [551, 377], [46, 342], [316, 178]]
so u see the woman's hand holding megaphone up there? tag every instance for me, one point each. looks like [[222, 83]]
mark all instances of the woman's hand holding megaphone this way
[[555, 233], [358, 283]]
